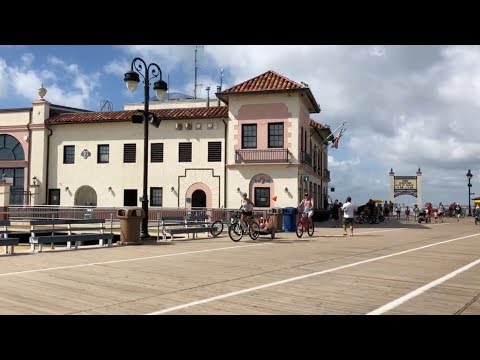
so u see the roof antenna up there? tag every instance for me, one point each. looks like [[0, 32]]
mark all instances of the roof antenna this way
[[106, 105], [221, 79], [196, 69]]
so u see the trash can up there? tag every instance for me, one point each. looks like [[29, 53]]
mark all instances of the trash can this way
[[130, 220], [277, 218], [289, 219]]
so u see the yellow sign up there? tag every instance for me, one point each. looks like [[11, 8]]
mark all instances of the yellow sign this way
[[405, 184]]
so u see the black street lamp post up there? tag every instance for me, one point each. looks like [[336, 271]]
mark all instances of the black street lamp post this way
[[132, 79], [469, 177]]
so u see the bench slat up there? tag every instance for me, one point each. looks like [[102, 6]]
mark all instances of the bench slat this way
[[9, 241], [189, 230], [76, 237]]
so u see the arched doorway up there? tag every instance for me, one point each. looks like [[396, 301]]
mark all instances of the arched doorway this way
[[199, 199], [86, 195]]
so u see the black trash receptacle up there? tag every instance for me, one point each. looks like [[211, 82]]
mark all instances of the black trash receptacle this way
[[289, 219]]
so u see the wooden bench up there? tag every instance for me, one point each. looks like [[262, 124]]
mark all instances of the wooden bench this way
[[9, 242], [76, 238], [5, 241], [184, 225], [68, 226]]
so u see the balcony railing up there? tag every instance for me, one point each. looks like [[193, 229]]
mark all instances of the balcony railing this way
[[306, 158], [274, 156]]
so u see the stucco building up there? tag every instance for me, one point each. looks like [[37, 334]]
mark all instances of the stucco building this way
[[257, 137]]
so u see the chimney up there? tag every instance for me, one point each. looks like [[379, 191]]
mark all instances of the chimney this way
[[208, 96], [218, 90]]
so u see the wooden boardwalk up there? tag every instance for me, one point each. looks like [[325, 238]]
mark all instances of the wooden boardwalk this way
[[385, 269]]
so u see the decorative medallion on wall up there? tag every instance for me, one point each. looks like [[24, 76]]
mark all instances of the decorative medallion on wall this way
[[262, 180], [85, 153]]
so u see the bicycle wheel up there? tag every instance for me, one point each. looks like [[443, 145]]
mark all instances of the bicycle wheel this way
[[254, 230], [299, 229], [311, 228], [217, 228], [235, 232]]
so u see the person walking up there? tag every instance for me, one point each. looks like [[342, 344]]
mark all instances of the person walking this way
[[441, 211], [335, 212], [347, 209], [416, 210]]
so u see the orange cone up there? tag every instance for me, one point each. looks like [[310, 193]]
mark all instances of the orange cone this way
[[274, 198]]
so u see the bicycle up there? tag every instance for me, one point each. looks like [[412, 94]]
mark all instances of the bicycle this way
[[238, 228], [303, 226], [217, 226]]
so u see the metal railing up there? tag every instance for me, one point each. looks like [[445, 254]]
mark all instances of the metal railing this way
[[261, 156], [87, 212], [306, 158]]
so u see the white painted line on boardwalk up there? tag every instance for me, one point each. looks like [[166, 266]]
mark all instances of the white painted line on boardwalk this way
[[376, 231], [393, 304], [140, 258], [127, 260], [281, 282]]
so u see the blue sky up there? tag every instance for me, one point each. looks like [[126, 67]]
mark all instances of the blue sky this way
[[405, 106]]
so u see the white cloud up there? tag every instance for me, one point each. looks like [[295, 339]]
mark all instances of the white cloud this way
[[66, 84], [3, 77], [27, 59], [117, 68], [405, 106], [24, 83]]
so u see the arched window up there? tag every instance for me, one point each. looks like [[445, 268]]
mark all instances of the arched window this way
[[10, 148]]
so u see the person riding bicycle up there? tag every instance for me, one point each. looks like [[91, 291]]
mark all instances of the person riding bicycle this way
[[246, 207], [307, 204]]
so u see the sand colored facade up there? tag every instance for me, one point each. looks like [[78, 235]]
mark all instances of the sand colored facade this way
[[262, 142]]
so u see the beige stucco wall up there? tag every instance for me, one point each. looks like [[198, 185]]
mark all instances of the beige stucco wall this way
[[120, 176], [14, 118], [38, 162]]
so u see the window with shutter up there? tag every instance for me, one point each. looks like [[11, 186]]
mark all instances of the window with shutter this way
[[185, 152], [156, 152], [214, 151], [129, 153]]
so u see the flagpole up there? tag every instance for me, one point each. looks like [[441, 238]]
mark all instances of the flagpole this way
[[334, 131], [326, 140]]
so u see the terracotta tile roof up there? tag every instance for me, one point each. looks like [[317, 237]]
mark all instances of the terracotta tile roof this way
[[126, 115], [266, 81], [317, 125], [269, 81]]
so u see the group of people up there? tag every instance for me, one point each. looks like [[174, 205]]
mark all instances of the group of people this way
[[307, 206]]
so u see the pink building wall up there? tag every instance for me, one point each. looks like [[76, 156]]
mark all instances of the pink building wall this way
[[262, 115], [200, 186]]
